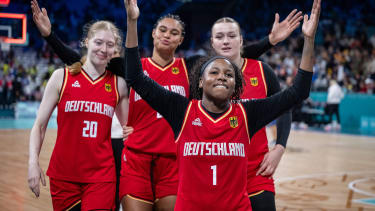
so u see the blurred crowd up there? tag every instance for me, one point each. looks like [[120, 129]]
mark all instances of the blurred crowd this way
[[345, 49]]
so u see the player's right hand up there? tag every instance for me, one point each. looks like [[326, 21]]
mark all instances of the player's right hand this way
[[41, 19], [35, 175]]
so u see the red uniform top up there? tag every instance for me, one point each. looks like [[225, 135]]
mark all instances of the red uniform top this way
[[152, 133], [256, 88], [83, 151], [212, 160]]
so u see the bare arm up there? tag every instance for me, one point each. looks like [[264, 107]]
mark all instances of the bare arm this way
[[122, 107], [48, 104]]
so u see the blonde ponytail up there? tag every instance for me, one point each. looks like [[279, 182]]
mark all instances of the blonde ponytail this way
[[76, 67]]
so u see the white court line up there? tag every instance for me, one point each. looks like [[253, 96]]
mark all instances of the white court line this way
[[287, 179], [351, 187]]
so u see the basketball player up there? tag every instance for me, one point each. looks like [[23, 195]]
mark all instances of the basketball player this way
[[82, 169], [212, 132], [260, 82]]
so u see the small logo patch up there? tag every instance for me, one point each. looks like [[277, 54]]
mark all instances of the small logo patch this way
[[76, 84], [233, 121], [197, 122], [254, 81], [175, 70], [108, 87]]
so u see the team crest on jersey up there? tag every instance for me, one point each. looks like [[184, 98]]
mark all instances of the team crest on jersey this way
[[254, 81], [175, 70], [108, 87], [233, 121]]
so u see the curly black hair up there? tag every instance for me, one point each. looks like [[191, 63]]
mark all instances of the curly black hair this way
[[195, 75], [174, 17]]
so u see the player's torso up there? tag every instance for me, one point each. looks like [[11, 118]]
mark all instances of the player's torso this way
[[152, 133], [83, 147], [255, 88], [212, 160]]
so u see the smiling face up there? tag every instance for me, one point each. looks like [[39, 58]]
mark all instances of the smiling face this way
[[101, 47], [167, 35], [226, 39], [218, 81]]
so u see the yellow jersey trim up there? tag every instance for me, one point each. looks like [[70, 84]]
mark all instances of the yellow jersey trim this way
[[93, 82], [185, 119], [256, 193], [159, 67], [262, 72], [66, 73], [209, 117], [138, 199], [245, 117]]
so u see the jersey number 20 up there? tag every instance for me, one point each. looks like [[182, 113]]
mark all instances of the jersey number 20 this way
[[90, 129]]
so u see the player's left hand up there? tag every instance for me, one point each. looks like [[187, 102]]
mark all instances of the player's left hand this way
[[310, 24], [270, 161], [281, 31]]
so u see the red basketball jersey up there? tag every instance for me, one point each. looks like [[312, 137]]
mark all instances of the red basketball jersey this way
[[256, 88], [83, 151], [212, 160], [152, 133]]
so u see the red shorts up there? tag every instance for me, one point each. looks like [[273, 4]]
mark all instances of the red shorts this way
[[92, 196], [147, 177]]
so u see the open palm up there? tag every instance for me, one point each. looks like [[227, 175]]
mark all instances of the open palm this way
[[41, 19], [132, 9], [281, 30], [310, 24]]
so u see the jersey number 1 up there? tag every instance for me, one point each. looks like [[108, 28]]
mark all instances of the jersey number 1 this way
[[213, 168], [90, 129]]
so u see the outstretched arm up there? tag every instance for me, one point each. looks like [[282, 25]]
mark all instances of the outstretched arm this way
[[280, 31], [42, 22], [170, 105], [264, 111]]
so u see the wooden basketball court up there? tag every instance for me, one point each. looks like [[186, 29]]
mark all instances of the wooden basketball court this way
[[318, 172]]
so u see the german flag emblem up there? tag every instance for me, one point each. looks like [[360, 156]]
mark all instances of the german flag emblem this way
[[175, 70], [233, 121], [254, 81], [108, 87]]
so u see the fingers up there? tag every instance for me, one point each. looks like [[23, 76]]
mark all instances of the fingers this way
[[42, 178], [289, 17], [34, 186], [261, 169], [305, 18], [268, 172], [44, 11], [297, 18], [277, 18]]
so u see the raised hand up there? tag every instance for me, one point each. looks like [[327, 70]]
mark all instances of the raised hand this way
[[281, 31], [35, 176], [310, 25], [41, 19], [132, 10]]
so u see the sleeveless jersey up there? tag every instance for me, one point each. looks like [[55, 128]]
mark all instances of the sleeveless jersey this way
[[212, 160], [152, 133], [256, 88], [83, 150]]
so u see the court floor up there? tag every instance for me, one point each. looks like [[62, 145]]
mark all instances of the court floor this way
[[319, 171]]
